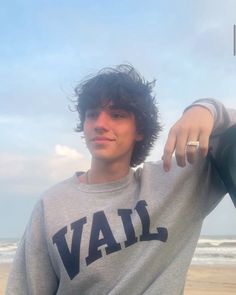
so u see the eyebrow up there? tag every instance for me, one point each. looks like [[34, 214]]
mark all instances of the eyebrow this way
[[121, 107], [111, 107]]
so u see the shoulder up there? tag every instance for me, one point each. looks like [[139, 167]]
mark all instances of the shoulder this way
[[59, 191], [155, 169], [153, 172]]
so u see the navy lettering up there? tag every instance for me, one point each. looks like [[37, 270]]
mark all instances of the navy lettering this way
[[162, 233], [70, 259], [125, 215], [100, 224], [101, 235]]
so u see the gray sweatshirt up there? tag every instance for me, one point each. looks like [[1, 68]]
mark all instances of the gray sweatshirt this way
[[132, 236]]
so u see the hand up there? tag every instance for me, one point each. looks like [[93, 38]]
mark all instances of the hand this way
[[196, 124]]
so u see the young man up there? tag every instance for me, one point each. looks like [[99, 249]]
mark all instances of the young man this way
[[114, 230]]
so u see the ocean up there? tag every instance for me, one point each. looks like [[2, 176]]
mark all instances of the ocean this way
[[7, 250], [211, 250]]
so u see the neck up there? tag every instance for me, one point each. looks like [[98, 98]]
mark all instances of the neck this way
[[101, 172]]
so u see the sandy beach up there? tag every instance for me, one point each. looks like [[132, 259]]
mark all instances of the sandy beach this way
[[201, 280], [4, 271], [217, 280]]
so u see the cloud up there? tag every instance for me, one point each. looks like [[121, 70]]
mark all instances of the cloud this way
[[22, 175], [65, 161], [65, 151], [29, 175]]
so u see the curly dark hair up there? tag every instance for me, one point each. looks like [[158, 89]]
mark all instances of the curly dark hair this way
[[126, 89]]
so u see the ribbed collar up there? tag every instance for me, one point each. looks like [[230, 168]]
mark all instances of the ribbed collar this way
[[103, 187]]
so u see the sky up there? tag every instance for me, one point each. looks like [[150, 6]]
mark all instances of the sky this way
[[47, 47]]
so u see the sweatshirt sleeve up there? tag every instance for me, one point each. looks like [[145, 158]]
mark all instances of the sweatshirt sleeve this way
[[32, 272], [224, 118]]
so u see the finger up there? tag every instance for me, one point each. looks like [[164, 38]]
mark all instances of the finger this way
[[204, 143], [169, 150], [180, 148], [191, 151]]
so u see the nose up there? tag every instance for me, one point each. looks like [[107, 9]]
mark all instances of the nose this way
[[102, 121]]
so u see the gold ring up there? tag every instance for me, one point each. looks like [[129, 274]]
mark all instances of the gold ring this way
[[193, 143]]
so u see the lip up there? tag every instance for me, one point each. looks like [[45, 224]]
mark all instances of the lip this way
[[101, 139]]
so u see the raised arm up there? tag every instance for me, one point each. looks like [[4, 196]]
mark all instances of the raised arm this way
[[198, 122]]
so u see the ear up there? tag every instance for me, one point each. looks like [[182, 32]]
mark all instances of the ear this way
[[139, 137]]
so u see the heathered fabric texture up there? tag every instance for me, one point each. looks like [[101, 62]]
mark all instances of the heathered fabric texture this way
[[129, 237]]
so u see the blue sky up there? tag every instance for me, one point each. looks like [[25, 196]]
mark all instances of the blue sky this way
[[46, 47]]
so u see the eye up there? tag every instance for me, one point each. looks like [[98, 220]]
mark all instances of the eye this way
[[119, 114], [91, 114]]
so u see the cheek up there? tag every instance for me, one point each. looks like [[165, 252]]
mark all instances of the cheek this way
[[131, 137], [86, 127], [86, 133]]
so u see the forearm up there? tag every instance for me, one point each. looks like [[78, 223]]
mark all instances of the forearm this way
[[200, 121]]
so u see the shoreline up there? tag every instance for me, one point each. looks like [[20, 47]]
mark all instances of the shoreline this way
[[201, 279]]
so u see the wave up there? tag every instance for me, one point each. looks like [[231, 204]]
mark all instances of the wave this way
[[217, 243]]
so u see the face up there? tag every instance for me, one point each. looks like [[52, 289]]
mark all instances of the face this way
[[110, 133]]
